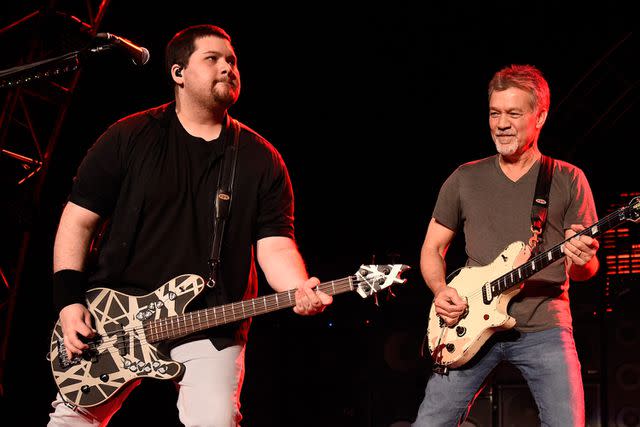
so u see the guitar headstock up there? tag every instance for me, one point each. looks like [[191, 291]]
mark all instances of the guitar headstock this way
[[373, 278], [634, 209]]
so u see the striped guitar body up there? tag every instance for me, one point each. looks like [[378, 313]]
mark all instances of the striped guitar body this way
[[121, 352], [129, 329], [488, 290]]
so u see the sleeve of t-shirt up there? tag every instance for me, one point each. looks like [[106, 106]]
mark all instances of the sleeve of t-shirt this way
[[582, 208], [275, 201], [97, 182], [447, 208]]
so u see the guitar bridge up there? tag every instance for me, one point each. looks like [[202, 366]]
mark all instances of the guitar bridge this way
[[466, 310], [63, 359], [90, 354]]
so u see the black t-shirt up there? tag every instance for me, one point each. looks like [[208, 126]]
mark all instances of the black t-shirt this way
[[151, 177]]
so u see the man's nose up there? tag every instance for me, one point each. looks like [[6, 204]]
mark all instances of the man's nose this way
[[227, 67], [503, 122]]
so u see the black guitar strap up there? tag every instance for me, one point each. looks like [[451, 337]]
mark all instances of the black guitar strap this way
[[223, 200], [540, 204]]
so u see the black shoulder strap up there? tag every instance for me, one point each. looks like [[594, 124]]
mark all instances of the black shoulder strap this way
[[540, 204], [223, 199]]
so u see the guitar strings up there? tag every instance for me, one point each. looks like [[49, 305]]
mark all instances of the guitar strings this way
[[270, 302], [193, 326], [608, 219], [556, 248]]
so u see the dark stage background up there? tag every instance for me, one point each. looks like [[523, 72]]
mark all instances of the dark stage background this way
[[371, 108]]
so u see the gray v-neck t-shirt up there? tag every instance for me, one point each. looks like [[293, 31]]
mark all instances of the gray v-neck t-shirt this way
[[494, 211]]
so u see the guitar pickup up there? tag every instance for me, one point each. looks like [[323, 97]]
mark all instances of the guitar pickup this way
[[121, 342], [487, 293], [91, 354]]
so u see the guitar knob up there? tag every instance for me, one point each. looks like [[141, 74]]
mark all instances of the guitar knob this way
[[461, 330], [104, 378], [85, 389], [450, 348]]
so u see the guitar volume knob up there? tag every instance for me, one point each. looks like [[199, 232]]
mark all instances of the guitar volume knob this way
[[461, 330], [450, 348]]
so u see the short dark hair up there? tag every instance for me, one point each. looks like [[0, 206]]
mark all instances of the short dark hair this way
[[182, 45], [527, 78]]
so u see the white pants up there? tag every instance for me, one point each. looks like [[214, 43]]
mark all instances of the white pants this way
[[209, 391]]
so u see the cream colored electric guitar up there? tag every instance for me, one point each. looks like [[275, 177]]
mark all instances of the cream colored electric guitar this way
[[489, 289]]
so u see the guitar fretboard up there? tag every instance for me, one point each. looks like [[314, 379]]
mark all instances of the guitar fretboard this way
[[540, 261], [178, 326]]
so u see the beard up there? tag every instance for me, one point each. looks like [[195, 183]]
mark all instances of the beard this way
[[506, 149], [225, 93]]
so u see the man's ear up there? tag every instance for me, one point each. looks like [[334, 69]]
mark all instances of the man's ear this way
[[542, 117], [176, 74]]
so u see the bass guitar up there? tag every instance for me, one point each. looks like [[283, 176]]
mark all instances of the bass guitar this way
[[129, 329]]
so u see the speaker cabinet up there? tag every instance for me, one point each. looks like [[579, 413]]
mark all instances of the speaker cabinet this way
[[516, 407], [623, 372], [587, 333], [481, 414]]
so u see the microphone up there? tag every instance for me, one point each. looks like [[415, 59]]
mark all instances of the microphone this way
[[139, 55]]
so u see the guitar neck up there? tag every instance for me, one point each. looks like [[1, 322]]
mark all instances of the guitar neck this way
[[174, 327], [544, 259]]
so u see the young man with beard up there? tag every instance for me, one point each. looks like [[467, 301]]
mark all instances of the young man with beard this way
[[154, 175]]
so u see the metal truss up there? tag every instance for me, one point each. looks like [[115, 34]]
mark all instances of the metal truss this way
[[37, 83]]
